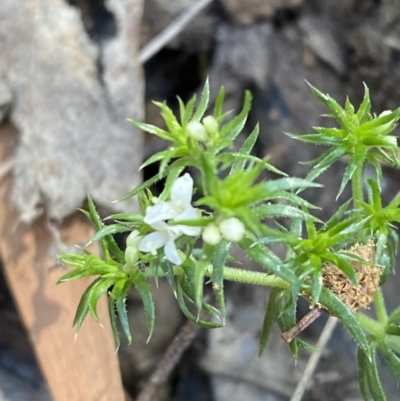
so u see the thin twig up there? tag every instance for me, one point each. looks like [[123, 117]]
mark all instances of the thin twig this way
[[170, 359], [314, 359], [311, 316], [171, 31]]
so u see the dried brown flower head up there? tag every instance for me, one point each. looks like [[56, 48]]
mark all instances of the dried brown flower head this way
[[355, 297]]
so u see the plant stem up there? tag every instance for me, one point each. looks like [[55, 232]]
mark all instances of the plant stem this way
[[357, 185], [372, 326], [237, 275], [380, 307]]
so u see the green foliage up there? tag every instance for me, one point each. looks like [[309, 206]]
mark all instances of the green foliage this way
[[187, 245]]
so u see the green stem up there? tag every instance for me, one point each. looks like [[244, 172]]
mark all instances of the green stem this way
[[237, 275], [357, 185], [372, 326], [380, 307]]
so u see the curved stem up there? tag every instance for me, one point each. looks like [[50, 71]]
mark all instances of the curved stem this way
[[237, 275], [371, 326]]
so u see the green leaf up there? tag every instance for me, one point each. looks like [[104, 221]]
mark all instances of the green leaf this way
[[279, 210], [268, 320], [392, 361], [334, 107], [168, 271], [219, 102], [395, 316], [171, 122], [113, 321], [326, 160], [151, 129], [143, 288], [119, 294], [374, 382], [288, 184], [363, 112], [83, 306], [317, 139], [96, 291], [393, 342], [337, 217], [202, 107], [363, 374], [357, 159], [287, 319], [233, 128], [146, 184], [246, 148], [186, 111], [155, 158], [198, 283], [185, 310], [316, 285], [110, 229], [335, 306], [268, 260]]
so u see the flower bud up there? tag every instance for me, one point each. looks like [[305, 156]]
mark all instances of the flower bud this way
[[131, 255], [232, 229], [211, 125], [211, 235], [133, 239], [197, 131]]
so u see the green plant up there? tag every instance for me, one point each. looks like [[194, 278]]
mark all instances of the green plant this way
[[338, 265]]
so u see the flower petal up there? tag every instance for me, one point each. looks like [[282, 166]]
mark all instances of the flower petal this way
[[171, 253], [161, 211], [189, 230], [182, 188], [153, 241]]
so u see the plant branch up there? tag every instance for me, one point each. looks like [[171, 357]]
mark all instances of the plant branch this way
[[237, 275]]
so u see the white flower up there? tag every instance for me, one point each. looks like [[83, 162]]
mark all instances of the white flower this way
[[232, 229], [179, 208]]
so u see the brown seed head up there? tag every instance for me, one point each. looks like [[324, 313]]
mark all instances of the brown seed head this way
[[355, 297]]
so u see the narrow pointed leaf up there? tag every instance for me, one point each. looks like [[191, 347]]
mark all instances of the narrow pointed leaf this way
[[329, 157], [143, 288], [202, 107], [151, 129], [233, 128], [108, 230], [146, 184], [365, 106], [246, 149], [269, 318], [96, 291], [362, 374], [337, 217], [357, 159], [392, 361], [83, 306], [113, 321], [268, 260], [344, 314], [374, 382], [185, 310], [119, 293]]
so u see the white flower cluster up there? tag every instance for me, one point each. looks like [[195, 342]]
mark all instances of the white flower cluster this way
[[179, 208]]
